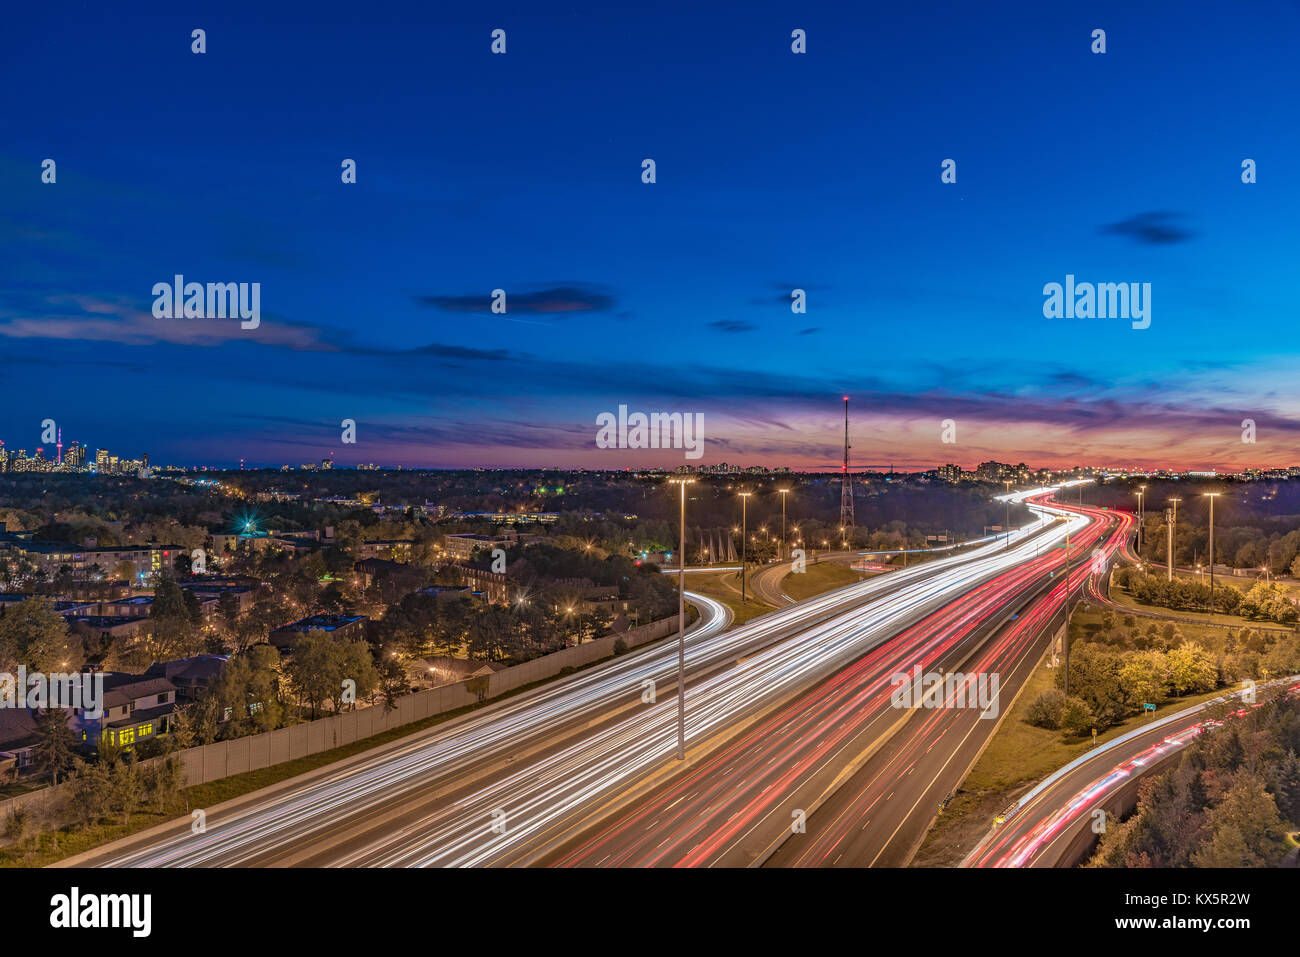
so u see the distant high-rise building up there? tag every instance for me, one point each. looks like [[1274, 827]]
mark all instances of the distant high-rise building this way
[[76, 457], [101, 461]]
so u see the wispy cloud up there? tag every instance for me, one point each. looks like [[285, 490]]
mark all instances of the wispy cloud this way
[[551, 300]]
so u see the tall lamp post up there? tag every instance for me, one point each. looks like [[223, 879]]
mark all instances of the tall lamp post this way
[[784, 492], [681, 627], [1141, 514], [1173, 524], [744, 517], [1142, 510], [1006, 525], [1212, 496], [1066, 605]]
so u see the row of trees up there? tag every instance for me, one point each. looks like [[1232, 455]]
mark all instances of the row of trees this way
[[1106, 685], [1122, 666], [1268, 601]]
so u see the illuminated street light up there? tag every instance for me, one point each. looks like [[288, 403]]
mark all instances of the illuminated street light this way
[[1142, 533]]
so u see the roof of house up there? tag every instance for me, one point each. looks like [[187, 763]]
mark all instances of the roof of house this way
[[198, 668], [120, 689], [17, 727]]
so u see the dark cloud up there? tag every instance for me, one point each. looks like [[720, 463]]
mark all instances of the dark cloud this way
[[1154, 228], [462, 352], [732, 325], [781, 295], [571, 297], [810, 330]]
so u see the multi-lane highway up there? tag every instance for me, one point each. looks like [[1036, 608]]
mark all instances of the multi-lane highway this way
[[501, 785], [741, 803]]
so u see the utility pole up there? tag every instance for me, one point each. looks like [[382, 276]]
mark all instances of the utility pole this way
[[1068, 613], [1173, 523], [681, 628], [1212, 496], [1006, 523]]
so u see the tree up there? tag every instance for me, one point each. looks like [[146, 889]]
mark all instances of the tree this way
[[32, 633], [182, 732], [354, 663], [91, 792], [320, 665], [1045, 710], [1094, 678], [1247, 829], [1076, 717], [393, 682], [1191, 669], [53, 753], [1144, 677], [126, 789]]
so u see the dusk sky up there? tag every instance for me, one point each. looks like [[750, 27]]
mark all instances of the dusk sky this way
[[775, 171]]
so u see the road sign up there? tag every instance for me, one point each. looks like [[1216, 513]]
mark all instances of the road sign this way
[[1148, 707]]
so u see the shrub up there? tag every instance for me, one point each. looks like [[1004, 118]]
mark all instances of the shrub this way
[[1045, 710], [1076, 717]]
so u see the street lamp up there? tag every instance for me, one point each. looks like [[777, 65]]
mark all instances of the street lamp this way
[[784, 492], [1173, 524], [681, 626], [1006, 525], [1141, 531], [1212, 496], [744, 518]]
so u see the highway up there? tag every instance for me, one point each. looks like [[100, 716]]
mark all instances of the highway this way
[[491, 787], [736, 807], [1051, 826]]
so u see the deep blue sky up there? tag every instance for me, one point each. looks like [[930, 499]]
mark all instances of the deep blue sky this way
[[775, 170]]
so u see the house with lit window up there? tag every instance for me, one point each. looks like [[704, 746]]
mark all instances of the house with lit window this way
[[135, 707]]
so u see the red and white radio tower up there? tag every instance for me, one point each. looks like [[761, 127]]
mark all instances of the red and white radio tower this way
[[846, 486]]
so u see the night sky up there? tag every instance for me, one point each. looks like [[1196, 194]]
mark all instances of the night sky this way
[[775, 171]]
